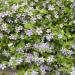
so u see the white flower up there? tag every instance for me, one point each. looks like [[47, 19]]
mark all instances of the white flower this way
[[39, 31], [61, 25], [72, 0], [49, 37], [50, 7], [30, 13], [73, 45], [26, 73], [47, 1], [56, 15], [22, 36], [39, 16], [11, 61], [72, 73], [12, 37], [64, 51], [18, 29], [10, 44], [2, 66], [60, 36], [6, 53], [41, 60], [48, 17], [48, 30], [50, 59], [1, 35]]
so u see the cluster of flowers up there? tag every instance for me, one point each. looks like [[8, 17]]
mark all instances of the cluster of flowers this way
[[38, 36]]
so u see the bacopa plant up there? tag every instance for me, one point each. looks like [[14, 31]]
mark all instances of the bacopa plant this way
[[38, 36]]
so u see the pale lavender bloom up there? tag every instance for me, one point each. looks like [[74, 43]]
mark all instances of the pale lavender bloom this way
[[35, 45], [29, 58], [4, 14], [43, 67], [64, 51], [15, 6], [34, 73], [22, 36], [51, 47], [72, 5], [39, 31], [18, 29], [35, 0], [8, 31], [50, 7], [20, 50], [34, 19], [1, 35], [29, 32], [44, 5], [19, 61], [38, 60], [70, 52], [4, 27], [43, 72], [65, 19], [9, 21], [2, 66], [43, 47], [18, 15], [73, 45]]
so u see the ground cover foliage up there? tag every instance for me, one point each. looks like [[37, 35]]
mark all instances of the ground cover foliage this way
[[38, 36]]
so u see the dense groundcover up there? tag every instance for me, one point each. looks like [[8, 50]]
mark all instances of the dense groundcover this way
[[38, 36]]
